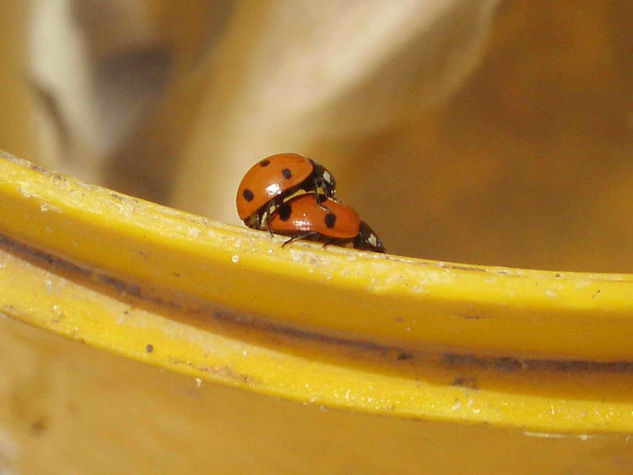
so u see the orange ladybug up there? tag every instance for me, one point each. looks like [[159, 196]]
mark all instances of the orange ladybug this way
[[269, 181], [304, 217]]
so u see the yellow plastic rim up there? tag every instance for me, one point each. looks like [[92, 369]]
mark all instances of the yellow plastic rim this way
[[546, 351]]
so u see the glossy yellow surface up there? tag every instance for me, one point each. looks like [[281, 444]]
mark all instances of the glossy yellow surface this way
[[539, 351], [71, 406], [98, 413]]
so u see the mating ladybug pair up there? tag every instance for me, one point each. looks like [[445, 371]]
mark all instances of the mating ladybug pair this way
[[265, 201]]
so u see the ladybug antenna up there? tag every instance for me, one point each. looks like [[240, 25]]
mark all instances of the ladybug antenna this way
[[367, 240]]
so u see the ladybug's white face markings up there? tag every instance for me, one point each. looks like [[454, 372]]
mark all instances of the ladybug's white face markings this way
[[327, 177], [373, 240]]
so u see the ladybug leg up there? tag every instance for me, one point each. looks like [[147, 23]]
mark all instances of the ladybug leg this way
[[319, 197], [319, 200], [267, 218], [323, 207], [299, 236], [328, 242]]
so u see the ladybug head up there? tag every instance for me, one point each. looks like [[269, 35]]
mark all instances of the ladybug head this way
[[367, 240], [324, 179]]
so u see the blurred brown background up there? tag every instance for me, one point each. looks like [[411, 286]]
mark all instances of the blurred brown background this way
[[485, 132]]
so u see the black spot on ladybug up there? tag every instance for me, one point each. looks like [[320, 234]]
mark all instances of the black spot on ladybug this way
[[330, 220], [285, 211], [264, 163], [248, 195], [286, 173]]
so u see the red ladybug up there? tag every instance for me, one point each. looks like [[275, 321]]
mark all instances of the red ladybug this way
[[269, 181], [335, 223]]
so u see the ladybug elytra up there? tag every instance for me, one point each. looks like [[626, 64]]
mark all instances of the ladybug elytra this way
[[274, 178], [304, 217]]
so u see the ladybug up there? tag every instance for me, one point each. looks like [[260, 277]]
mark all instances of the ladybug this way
[[269, 181], [304, 217]]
